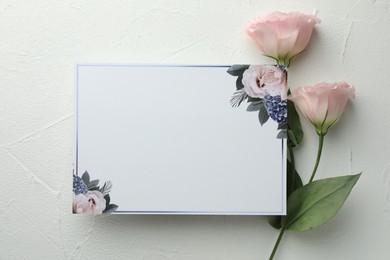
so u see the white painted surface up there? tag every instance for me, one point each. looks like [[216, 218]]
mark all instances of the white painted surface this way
[[41, 41]]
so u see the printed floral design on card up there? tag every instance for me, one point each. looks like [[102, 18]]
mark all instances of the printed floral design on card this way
[[89, 197]]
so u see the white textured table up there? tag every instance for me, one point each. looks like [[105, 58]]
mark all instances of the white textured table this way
[[41, 41]]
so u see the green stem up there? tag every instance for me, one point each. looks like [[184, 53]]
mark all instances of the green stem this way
[[292, 160], [277, 244], [281, 62], [320, 144]]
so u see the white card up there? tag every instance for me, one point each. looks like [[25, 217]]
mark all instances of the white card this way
[[169, 141]]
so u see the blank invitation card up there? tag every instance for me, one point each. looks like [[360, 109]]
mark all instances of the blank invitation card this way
[[166, 140]]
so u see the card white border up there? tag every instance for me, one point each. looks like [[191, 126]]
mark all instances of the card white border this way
[[119, 212]]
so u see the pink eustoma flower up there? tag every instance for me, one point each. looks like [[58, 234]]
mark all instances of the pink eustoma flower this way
[[93, 202], [282, 35], [323, 104], [261, 79]]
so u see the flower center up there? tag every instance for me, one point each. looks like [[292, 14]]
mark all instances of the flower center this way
[[258, 83], [92, 202]]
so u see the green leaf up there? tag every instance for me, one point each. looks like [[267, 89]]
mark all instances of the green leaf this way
[[275, 221], [110, 209], [263, 115], [294, 124], [282, 134], [239, 84], [291, 138], [252, 99], [107, 198], [238, 97], [317, 202], [85, 178], [255, 106], [282, 126], [237, 69], [293, 182], [93, 184], [106, 189]]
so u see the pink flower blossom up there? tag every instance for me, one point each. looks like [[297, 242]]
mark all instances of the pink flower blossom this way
[[323, 104], [282, 35], [93, 202], [261, 79]]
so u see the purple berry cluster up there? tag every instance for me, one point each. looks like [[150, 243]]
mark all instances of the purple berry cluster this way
[[79, 186], [276, 108]]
